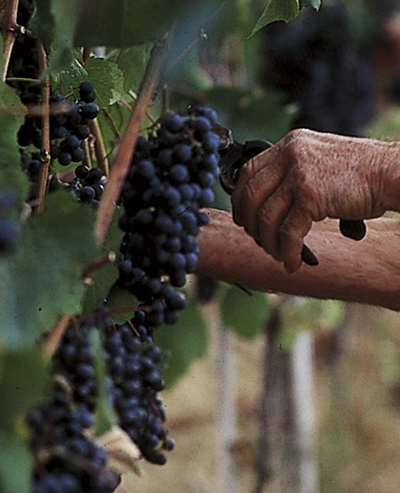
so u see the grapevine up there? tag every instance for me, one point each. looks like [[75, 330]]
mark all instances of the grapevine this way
[[58, 243]]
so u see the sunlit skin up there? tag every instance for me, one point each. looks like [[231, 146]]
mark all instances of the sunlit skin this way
[[310, 180], [307, 177]]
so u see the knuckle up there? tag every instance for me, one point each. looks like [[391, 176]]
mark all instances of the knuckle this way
[[249, 193], [248, 169], [264, 216]]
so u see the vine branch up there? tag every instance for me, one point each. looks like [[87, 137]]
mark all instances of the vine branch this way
[[99, 147], [45, 145], [9, 29], [127, 145], [53, 340]]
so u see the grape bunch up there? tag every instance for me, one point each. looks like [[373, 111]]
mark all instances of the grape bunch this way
[[68, 129], [136, 379], [169, 181], [65, 458], [88, 184], [315, 63]]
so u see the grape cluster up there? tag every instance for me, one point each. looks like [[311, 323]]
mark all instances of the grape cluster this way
[[66, 459], [9, 227], [169, 182], [67, 130], [313, 60], [88, 184], [136, 379], [71, 129]]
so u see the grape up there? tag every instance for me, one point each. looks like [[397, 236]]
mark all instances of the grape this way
[[77, 155], [315, 62], [82, 132], [183, 153], [179, 173], [201, 124], [173, 122], [81, 171], [90, 111], [64, 158]]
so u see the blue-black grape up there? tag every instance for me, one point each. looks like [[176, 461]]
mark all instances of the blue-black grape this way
[[315, 63]]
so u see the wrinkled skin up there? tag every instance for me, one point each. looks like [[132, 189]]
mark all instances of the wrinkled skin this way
[[306, 177]]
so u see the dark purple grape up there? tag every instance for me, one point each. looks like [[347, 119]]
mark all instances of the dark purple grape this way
[[64, 158]]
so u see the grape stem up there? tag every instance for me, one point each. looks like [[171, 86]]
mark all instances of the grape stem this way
[[127, 144], [99, 147], [111, 123], [9, 29], [55, 336], [106, 259], [134, 96], [45, 145]]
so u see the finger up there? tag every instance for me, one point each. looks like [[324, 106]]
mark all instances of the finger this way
[[258, 191], [293, 229], [264, 159], [270, 217]]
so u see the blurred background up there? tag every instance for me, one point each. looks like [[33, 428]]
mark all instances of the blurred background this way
[[270, 393]]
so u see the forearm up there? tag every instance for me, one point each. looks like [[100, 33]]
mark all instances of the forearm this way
[[363, 272]]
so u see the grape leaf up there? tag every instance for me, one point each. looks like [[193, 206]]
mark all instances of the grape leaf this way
[[104, 277], [243, 313], [124, 24], [42, 280], [14, 453], [185, 341], [105, 415], [119, 298], [12, 178], [22, 382], [132, 62], [277, 10], [55, 24], [108, 80], [252, 115], [69, 78]]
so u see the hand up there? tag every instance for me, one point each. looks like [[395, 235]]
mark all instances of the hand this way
[[308, 176]]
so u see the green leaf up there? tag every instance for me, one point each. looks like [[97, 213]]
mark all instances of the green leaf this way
[[245, 314], [43, 279], [15, 465], [277, 10], [105, 415], [186, 341], [22, 382], [315, 4], [55, 24], [68, 79], [118, 299], [12, 178], [252, 115], [108, 80], [104, 277], [124, 24], [132, 63]]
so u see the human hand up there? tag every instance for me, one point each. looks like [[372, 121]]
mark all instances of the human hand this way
[[308, 176]]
